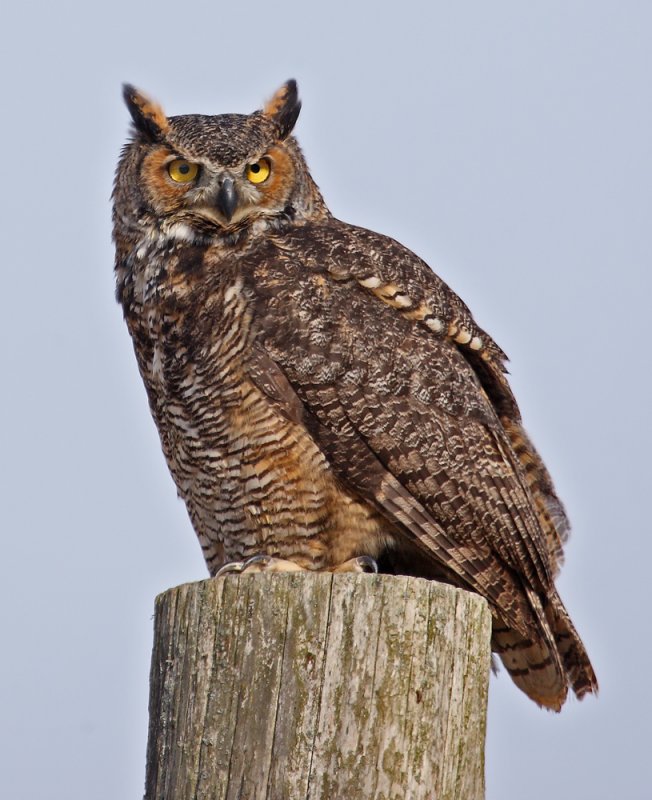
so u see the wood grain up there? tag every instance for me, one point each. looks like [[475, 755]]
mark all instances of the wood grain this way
[[304, 687]]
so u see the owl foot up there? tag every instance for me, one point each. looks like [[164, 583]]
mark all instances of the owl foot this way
[[262, 563], [359, 564], [259, 563]]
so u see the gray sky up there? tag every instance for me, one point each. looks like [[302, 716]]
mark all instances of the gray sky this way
[[507, 143]]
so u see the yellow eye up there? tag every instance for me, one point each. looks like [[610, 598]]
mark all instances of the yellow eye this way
[[183, 171], [259, 172]]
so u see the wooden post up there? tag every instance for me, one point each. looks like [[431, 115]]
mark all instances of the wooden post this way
[[318, 687]]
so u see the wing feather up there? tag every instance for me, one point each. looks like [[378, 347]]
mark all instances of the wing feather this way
[[419, 409], [408, 400]]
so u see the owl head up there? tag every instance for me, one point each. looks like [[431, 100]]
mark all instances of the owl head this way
[[196, 176]]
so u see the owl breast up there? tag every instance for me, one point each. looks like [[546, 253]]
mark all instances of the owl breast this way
[[251, 475]]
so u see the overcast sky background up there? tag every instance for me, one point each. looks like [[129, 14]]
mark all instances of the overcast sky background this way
[[507, 143]]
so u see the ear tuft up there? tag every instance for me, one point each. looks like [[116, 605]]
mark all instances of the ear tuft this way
[[283, 108], [148, 116]]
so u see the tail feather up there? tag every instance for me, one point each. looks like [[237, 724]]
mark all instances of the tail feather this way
[[534, 663], [571, 649], [550, 511], [554, 658]]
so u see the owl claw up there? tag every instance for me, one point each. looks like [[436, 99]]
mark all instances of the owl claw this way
[[359, 564], [259, 563], [367, 564], [230, 566], [264, 563]]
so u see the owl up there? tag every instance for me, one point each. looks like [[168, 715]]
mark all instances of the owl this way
[[325, 401]]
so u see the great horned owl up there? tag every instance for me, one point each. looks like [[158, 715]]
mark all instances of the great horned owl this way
[[320, 393]]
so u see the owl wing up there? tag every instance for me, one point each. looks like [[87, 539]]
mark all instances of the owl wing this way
[[416, 420], [419, 425], [399, 279], [404, 419]]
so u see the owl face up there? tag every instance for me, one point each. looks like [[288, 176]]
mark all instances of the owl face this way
[[213, 174]]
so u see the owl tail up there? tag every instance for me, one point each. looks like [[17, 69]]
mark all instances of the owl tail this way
[[548, 663], [574, 657]]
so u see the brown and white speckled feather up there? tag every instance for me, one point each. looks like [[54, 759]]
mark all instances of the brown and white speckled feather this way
[[320, 393]]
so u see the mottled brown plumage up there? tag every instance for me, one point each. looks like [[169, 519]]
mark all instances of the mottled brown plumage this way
[[320, 393]]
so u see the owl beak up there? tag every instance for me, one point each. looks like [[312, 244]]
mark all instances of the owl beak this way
[[227, 199]]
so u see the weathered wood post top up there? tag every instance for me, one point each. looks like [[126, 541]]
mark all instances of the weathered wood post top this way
[[308, 686]]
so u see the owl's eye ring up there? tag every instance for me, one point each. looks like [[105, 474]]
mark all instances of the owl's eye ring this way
[[182, 171], [259, 171]]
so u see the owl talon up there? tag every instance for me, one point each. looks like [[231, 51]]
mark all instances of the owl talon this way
[[262, 563], [365, 564], [368, 564], [230, 566], [259, 563]]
